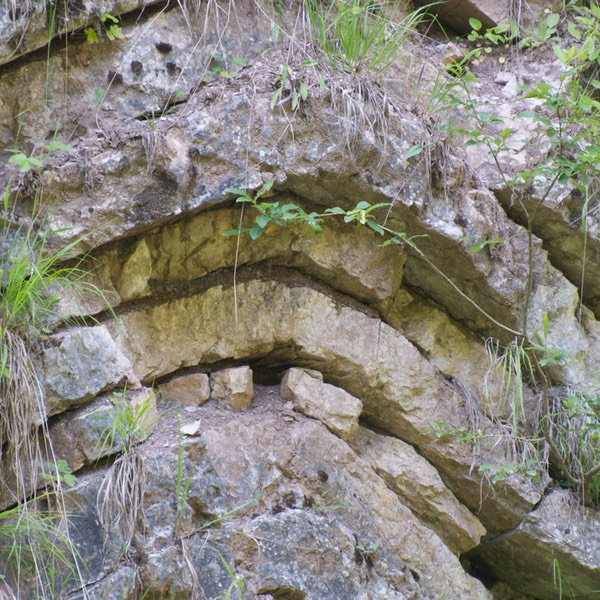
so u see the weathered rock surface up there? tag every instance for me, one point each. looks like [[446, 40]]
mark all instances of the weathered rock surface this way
[[557, 537], [233, 388], [162, 122], [84, 363], [284, 502], [420, 487], [401, 392], [335, 408]]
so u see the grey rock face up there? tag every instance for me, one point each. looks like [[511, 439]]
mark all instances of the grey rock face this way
[[400, 390], [84, 363], [159, 132], [559, 539], [287, 505], [420, 487]]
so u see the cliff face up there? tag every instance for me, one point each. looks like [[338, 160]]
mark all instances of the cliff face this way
[[300, 415]]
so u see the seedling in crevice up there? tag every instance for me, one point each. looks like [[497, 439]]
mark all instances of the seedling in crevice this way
[[219, 68], [530, 468], [25, 163], [291, 88], [60, 472], [479, 243], [365, 553]]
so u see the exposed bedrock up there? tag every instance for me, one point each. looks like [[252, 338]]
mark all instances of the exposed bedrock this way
[[305, 394]]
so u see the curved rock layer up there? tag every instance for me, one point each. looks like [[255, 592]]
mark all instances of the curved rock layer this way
[[330, 475]]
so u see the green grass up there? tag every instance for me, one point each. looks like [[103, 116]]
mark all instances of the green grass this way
[[358, 36]]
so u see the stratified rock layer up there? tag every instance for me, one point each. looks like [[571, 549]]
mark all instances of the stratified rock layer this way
[[354, 484]]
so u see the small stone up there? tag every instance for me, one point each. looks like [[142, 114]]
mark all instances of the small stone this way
[[233, 387], [191, 429], [334, 407], [453, 55], [193, 389]]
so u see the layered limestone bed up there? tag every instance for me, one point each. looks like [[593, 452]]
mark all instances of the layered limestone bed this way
[[296, 387]]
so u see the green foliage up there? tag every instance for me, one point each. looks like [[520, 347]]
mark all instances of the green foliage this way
[[504, 34], [291, 88], [583, 27], [33, 280], [60, 472], [128, 424], [109, 25], [461, 434], [283, 214], [224, 68], [25, 163], [367, 548], [547, 30], [479, 244], [529, 468], [358, 36], [35, 547], [500, 34]]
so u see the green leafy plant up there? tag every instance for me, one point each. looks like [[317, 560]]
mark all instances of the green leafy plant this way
[[290, 88], [25, 163], [224, 68], [503, 33], [109, 25], [480, 244], [365, 552], [60, 472], [461, 434], [530, 469]]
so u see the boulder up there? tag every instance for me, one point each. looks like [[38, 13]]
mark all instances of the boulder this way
[[83, 363], [335, 408], [555, 547], [232, 387], [192, 389]]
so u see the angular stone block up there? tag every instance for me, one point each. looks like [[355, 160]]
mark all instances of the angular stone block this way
[[233, 387], [193, 389], [418, 485], [334, 407]]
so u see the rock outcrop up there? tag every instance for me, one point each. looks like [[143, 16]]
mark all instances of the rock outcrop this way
[[301, 415]]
